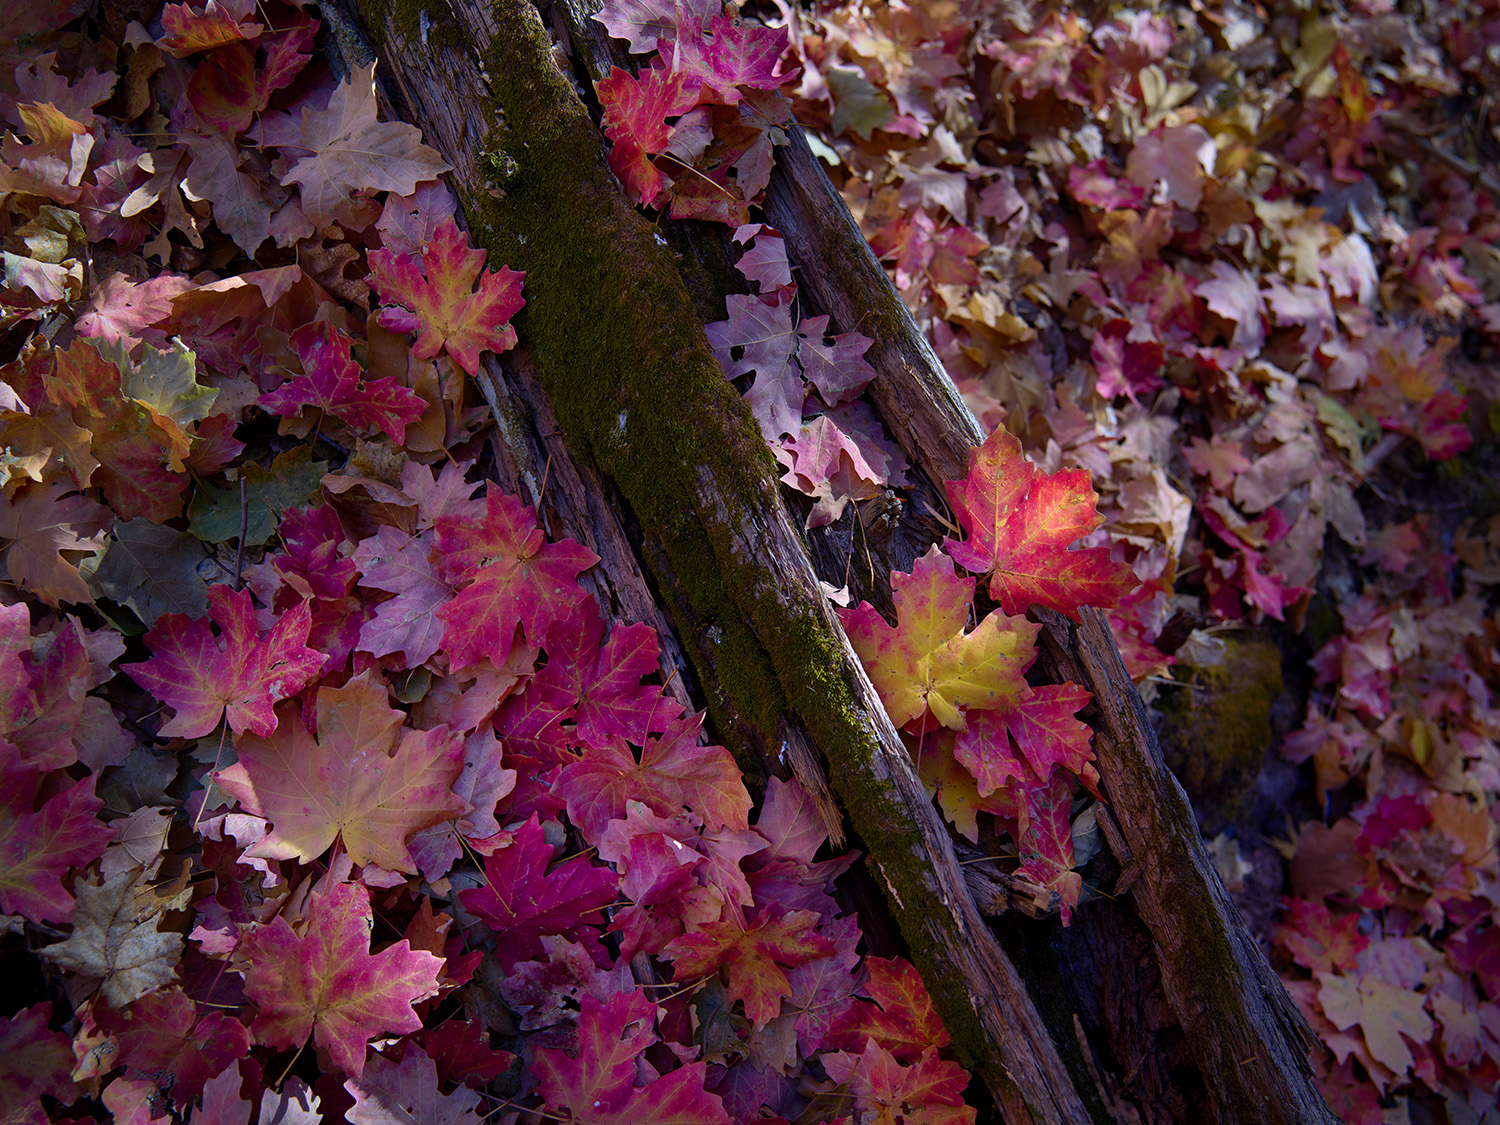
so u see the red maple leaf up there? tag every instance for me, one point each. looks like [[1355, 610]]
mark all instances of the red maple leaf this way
[[635, 119], [332, 382], [597, 1085], [508, 576], [603, 682], [901, 1018], [188, 30], [240, 682], [1038, 816], [162, 1033], [365, 779], [325, 984], [1020, 523], [931, 1090], [33, 1061], [521, 900], [1043, 727], [927, 661], [673, 773], [37, 847], [754, 957], [437, 298]]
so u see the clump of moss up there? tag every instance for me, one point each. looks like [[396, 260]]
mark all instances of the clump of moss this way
[[1217, 726]]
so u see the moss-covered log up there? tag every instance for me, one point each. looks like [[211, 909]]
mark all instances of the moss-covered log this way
[[1246, 1034], [656, 440], [623, 360]]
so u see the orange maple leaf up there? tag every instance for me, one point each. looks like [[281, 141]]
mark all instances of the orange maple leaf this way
[[363, 779], [927, 661]]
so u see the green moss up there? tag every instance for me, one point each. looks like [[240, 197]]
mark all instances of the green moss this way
[[1218, 725], [637, 392]]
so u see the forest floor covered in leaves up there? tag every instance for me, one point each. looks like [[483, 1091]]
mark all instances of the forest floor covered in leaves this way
[[1239, 262]]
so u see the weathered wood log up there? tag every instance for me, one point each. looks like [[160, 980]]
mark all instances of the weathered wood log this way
[[1248, 1037], [636, 391]]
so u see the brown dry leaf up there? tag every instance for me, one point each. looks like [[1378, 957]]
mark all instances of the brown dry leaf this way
[[113, 943]]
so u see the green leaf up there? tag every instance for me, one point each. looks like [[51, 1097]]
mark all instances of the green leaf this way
[[857, 103], [152, 570], [214, 515], [165, 381]]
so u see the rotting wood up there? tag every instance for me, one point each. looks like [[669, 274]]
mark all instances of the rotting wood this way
[[1248, 1038], [731, 515]]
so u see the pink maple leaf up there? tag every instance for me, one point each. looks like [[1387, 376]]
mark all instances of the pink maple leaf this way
[[674, 772], [507, 576], [597, 1084], [332, 382], [399, 563], [437, 298], [643, 22], [324, 984], [759, 337], [38, 846], [1043, 726], [603, 682], [730, 56], [240, 681], [391, 1093], [1126, 367], [522, 900]]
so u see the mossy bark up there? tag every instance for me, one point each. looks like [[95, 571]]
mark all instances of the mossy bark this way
[[617, 347], [622, 357]]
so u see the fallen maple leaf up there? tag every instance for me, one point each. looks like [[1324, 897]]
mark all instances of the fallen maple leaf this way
[[1043, 726], [332, 382], [406, 1093], [1020, 523], [437, 298], [635, 119], [673, 773], [522, 900], [363, 780], [161, 1033], [239, 682], [112, 942], [508, 574], [597, 1087], [41, 524], [1386, 1015], [930, 1091], [34, 1061], [350, 153], [754, 957], [37, 847], [927, 661], [901, 1019], [326, 985]]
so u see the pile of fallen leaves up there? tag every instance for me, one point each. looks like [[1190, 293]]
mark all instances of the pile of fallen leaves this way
[[328, 789], [1240, 262]]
